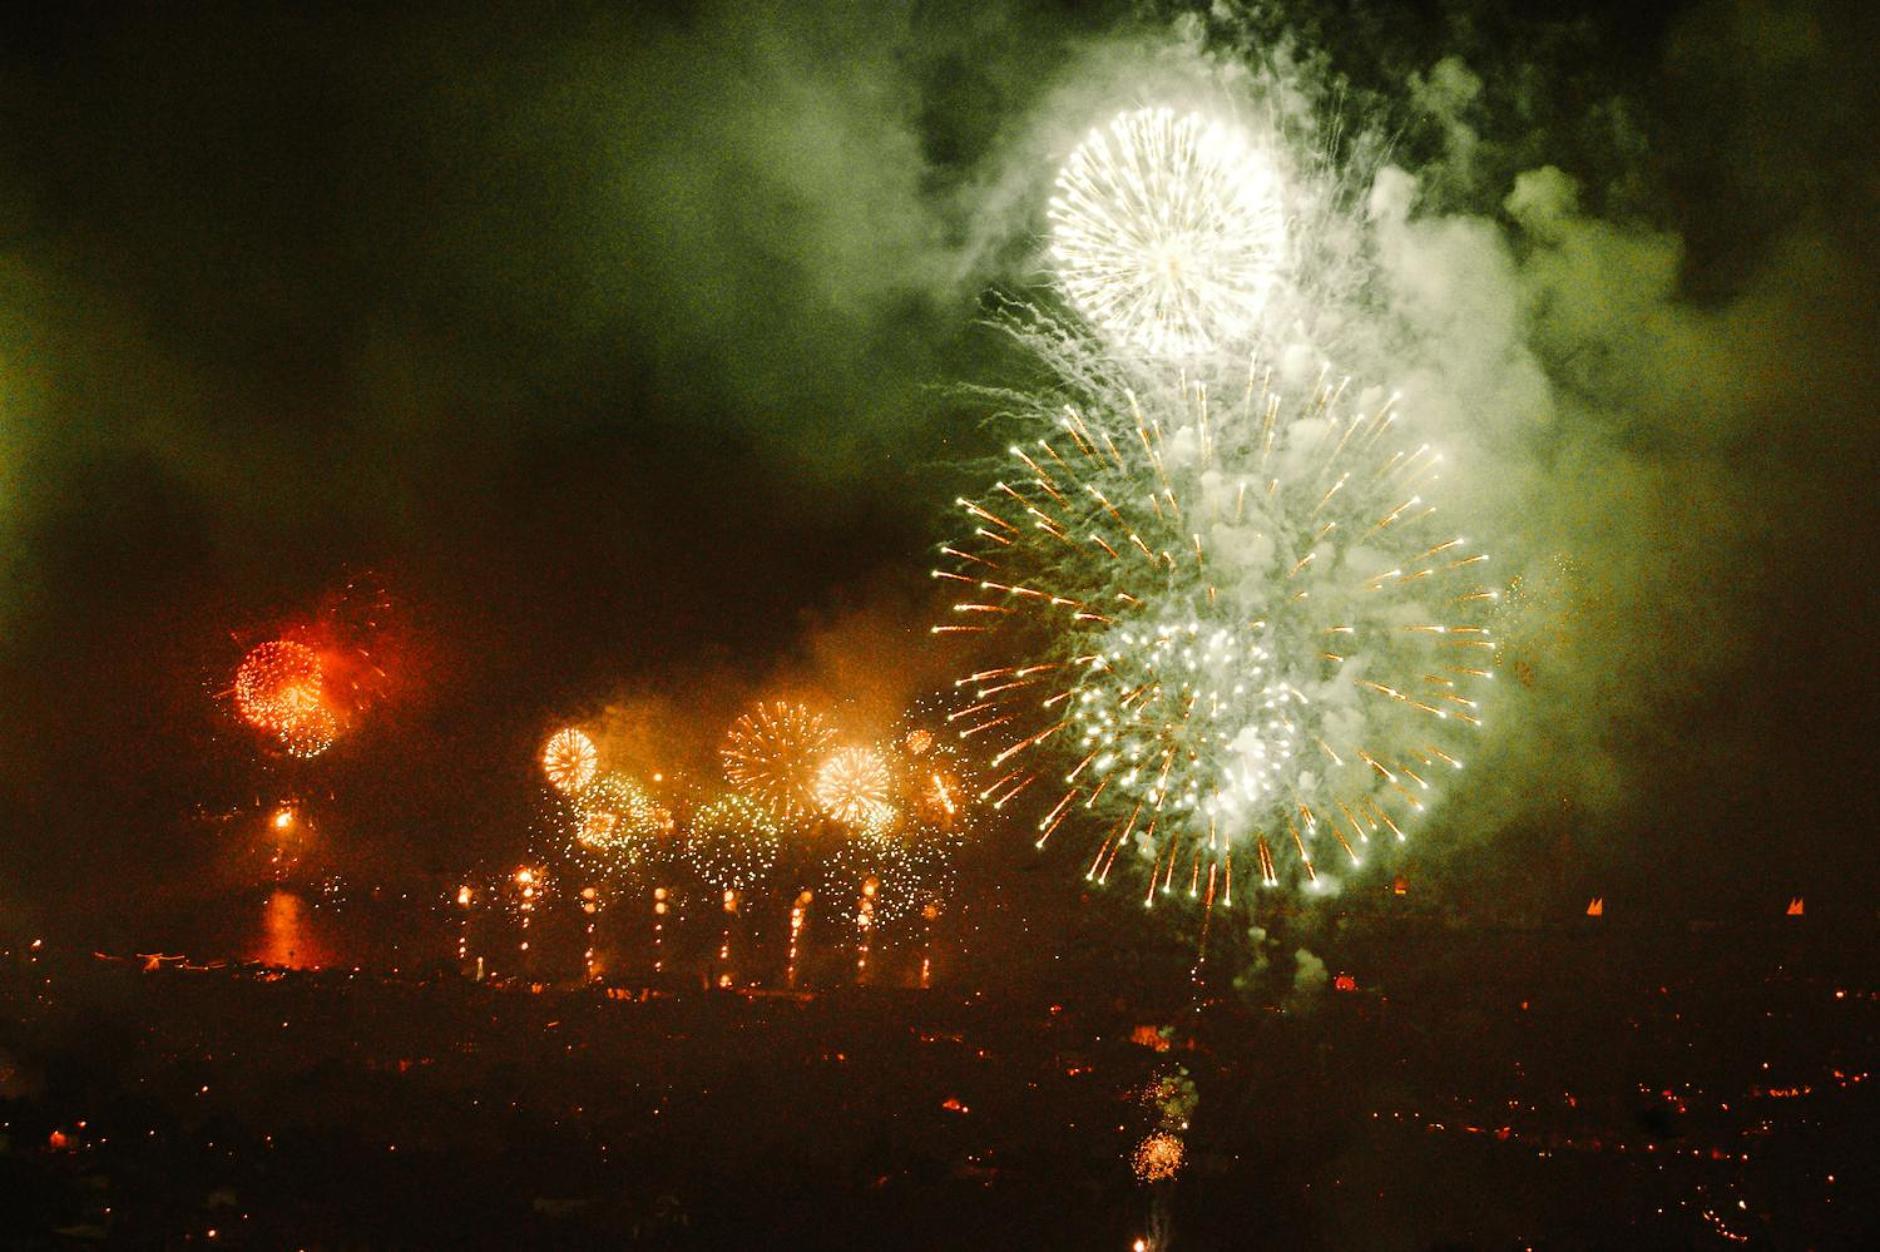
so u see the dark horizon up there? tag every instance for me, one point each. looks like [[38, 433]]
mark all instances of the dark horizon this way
[[625, 351]]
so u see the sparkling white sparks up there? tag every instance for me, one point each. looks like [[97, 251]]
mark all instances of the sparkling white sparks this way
[[1240, 631], [1168, 231]]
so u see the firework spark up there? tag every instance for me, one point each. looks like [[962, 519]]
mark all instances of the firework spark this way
[[1167, 231], [934, 781], [772, 754], [570, 760], [886, 878], [1241, 629]]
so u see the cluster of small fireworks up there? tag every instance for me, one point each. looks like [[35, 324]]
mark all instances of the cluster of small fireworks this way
[[733, 843], [615, 824], [607, 820], [878, 879], [1159, 1156], [883, 820], [1239, 628], [878, 823]]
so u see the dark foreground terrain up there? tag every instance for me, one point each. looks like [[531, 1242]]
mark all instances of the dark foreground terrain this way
[[1434, 1085]]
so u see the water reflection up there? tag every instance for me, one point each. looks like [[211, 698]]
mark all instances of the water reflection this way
[[289, 934]]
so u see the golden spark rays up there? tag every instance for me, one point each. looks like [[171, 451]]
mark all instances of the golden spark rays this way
[[773, 754], [569, 760]]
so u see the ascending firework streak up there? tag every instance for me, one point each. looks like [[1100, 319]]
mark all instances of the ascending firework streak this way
[[1241, 628], [1168, 231], [773, 753]]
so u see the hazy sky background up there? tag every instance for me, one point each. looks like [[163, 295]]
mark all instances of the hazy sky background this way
[[621, 343]]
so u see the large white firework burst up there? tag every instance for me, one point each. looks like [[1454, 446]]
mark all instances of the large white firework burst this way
[[1168, 231], [1238, 628]]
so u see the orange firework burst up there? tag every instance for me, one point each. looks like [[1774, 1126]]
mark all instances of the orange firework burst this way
[[772, 754], [569, 760], [852, 786], [1158, 1157], [280, 688]]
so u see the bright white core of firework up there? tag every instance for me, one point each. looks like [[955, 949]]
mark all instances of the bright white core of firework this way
[[1168, 231], [1179, 694]]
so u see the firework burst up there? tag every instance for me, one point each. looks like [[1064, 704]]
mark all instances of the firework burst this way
[[1168, 232], [1158, 1158], [280, 689], [613, 824], [881, 873], [852, 787], [1239, 627], [934, 781], [772, 754], [569, 760]]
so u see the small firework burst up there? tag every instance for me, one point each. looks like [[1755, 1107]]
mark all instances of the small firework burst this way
[[772, 753], [852, 786], [935, 783], [883, 873], [1158, 1158], [280, 690], [613, 824], [569, 760]]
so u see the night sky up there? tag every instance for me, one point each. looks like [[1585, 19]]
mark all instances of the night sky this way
[[623, 347]]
